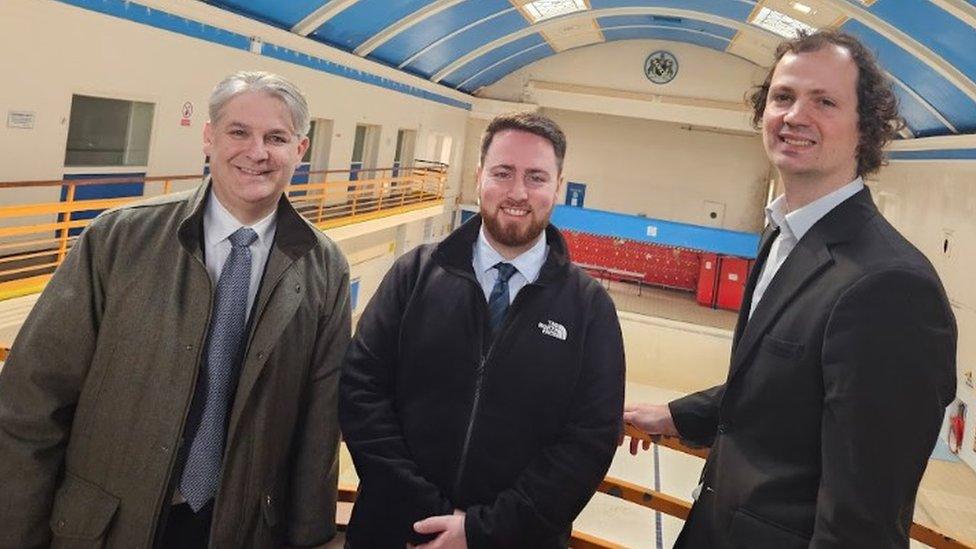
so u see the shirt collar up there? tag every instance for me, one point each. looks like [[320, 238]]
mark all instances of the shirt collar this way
[[799, 221], [218, 224], [528, 263]]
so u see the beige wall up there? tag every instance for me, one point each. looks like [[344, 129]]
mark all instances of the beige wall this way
[[664, 171], [703, 73], [929, 202], [674, 355], [54, 50]]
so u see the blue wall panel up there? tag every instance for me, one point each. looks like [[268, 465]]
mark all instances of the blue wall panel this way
[[402, 46], [275, 12], [941, 32], [470, 69], [443, 54], [649, 20], [656, 231], [677, 35], [919, 119], [955, 106], [493, 74], [732, 9], [938, 154], [360, 21], [166, 21]]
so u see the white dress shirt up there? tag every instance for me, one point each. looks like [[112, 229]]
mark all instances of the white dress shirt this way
[[218, 225], [527, 265], [792, 226]]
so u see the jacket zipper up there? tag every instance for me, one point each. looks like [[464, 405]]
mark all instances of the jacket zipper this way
[[477, 387], [166, 497]]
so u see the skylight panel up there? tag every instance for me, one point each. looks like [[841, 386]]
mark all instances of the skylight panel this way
[[780, 23], [540, 10]]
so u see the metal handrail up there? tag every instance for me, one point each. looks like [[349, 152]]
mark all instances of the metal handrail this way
[[35, 237]]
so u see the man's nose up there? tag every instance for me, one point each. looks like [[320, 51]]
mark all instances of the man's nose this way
[[257, 149]]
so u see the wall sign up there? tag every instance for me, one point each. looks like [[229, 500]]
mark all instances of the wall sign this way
[[21, 119], [661, 67], [187, 113]]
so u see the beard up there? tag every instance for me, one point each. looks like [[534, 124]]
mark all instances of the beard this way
[[513, 235]]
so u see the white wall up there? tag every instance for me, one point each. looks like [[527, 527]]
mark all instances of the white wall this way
[[928, 202]]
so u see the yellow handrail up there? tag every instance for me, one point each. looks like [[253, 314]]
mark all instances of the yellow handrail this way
[[31, 232]]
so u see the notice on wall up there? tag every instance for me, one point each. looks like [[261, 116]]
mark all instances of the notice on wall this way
[[21, 119], [651, 231], [187, 113]]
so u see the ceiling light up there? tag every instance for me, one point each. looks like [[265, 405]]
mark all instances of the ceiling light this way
[[547, 9], [780, 23], [802, 8]]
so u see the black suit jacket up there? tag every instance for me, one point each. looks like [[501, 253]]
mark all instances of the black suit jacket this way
[[834, 398]]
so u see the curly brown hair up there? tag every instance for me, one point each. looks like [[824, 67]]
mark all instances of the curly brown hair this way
[[877, 107]]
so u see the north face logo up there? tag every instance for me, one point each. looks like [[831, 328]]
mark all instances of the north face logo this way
[[554, 329]]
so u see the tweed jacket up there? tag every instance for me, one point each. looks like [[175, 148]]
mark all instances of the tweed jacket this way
[[95, 394]]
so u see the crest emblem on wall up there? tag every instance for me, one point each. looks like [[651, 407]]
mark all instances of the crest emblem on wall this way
[[661, 67]]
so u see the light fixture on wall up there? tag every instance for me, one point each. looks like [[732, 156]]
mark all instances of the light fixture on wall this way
[[803, 8]]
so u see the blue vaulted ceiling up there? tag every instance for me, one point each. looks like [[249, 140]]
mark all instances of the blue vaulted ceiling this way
[[928, 48]]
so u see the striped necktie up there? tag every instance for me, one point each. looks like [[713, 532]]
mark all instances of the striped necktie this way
[[499, 298], [225, 347]]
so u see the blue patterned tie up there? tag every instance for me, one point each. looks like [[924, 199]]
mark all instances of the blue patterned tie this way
[[499, 298], [225, 344]]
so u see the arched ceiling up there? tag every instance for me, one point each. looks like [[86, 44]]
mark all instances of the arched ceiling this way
[[928, 47]]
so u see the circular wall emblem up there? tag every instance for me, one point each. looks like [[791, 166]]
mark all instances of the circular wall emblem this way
[[661, 67]]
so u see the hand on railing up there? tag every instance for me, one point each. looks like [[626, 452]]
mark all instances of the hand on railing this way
[[638, 436], [648, 419]]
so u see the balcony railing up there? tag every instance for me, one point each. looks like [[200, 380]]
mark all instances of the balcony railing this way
[[664, 503], [35, 235]]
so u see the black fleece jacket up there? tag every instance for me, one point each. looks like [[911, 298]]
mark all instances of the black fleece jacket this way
[[516, 430]]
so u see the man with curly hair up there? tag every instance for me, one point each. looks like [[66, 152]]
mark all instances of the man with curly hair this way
[[843, 358]]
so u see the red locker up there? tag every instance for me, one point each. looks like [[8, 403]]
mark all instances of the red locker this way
[[707, 279], [732, 282]]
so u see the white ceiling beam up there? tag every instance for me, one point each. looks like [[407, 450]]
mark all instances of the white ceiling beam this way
[[318, 17], [945, 69], [388, 33], [960, 9]]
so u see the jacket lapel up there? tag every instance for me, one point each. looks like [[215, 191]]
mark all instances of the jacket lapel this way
[[280, 296], [808, 260], [765, 243]]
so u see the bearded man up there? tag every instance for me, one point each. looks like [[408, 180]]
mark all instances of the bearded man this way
[[481, 397]]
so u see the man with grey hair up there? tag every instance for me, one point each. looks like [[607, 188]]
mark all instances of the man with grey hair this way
[[175, 385]]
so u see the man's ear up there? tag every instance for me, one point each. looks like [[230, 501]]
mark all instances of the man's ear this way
[[208, 132], [303, 146]]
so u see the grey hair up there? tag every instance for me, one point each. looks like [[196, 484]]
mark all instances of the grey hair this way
[[266, 82]]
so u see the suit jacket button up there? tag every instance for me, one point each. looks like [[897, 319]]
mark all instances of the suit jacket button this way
[[723, 428], [61, 524], [298, 288]]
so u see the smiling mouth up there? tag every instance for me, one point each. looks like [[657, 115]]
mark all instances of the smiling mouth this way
[[797, 142], [515, 212], [249, 171]]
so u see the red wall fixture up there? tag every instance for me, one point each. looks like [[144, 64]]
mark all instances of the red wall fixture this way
[[708, 279], [732, 282]]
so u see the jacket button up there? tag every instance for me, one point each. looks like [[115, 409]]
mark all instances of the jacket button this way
[[298, 288], [267, 500], [60, 524], [260, 355], [723, 428], [189, 346]]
